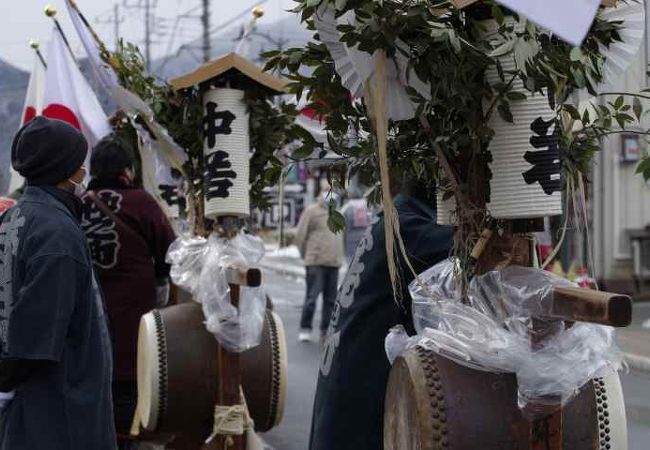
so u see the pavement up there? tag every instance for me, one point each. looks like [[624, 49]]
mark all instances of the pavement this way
[[287, 292], [635, 339]]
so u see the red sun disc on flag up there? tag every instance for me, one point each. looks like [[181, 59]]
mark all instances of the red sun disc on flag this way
[[6, 203], [62, 112], [30, 113]]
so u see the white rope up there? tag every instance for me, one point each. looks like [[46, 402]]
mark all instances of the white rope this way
[[232, 420], [228, 421]]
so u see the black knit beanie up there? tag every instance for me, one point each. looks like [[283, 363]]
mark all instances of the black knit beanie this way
[[48, 151]]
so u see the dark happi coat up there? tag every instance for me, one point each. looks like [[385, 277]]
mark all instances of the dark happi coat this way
[[51, 311]]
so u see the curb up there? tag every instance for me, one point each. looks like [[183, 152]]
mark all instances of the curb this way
[[637, 362]]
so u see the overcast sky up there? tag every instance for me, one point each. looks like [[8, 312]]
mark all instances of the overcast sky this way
[[22, 20]]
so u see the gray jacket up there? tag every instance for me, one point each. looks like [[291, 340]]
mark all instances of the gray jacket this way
[[318, 245]]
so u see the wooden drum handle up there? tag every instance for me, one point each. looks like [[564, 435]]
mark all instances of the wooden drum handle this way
[[586, 305]]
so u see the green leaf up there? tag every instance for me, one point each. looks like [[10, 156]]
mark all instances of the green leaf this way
[[572, 110], [644, 168], [504, 111], [302, 152], [637, 107], [619, 102], [270, 54], [335, 220], [504, 48], [515, 96], [497, 13], [576, 54]]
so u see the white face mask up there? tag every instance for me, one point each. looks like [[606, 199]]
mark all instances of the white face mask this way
[[79, 188]]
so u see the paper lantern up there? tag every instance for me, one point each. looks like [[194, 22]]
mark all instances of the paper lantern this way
[[226, 143], [226, 153], [525, 156]]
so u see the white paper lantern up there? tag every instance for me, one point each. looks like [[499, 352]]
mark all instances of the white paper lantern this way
[[445, 209], [525, 156], [226, 150]]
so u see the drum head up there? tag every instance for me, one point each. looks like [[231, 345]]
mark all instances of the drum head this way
[[433, 403], [149, 342], [264, 375]]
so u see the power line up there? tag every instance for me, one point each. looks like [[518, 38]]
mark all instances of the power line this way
[[149, 7], [186, 15], [113, 19]]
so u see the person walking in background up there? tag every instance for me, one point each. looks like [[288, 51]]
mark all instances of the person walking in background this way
[[356, 214], [322, 252], [55, 350], [128, 236]]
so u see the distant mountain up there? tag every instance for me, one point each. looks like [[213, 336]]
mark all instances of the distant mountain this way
[[285, 33], [13, 81], [13, 84]]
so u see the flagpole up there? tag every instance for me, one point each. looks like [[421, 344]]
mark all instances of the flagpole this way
[[50, 11], [36, 47]]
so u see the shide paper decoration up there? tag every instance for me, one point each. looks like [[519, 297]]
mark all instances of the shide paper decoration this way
[[358, 68]]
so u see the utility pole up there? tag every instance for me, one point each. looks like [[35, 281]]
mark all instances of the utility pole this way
[[205, 20], [116, 17], [148, 6], [113, 19], [147, 34]]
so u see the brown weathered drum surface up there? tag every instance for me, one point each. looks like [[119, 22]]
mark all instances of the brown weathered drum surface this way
[[264, 375], [178, 372], [432, 403]]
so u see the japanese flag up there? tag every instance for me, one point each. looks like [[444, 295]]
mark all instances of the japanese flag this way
[[69, 97], [33, 107], [35, 89]]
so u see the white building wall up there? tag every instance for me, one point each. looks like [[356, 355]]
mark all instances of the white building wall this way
[[621, 198]]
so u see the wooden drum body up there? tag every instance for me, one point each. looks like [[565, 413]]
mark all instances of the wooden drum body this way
[[178, 372], [432, 403]]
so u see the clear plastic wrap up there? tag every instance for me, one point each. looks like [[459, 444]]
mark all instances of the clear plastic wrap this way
[[199, 265], [492, 329]]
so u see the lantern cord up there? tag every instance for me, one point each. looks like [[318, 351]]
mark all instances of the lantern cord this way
[[557, 248], [583, 213]]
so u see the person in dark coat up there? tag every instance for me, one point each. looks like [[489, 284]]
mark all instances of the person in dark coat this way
[[55, 350], [128, 235], [349, 403]]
